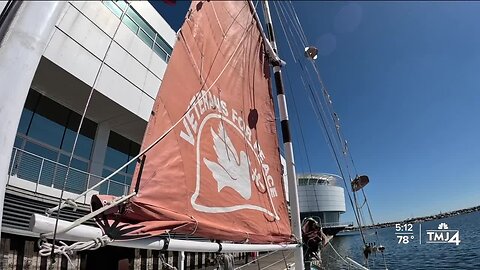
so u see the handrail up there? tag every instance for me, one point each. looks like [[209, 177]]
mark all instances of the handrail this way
[[328, 224], [55, 162], [43, 171]]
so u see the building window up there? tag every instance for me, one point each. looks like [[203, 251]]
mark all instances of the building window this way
[[44, 143], [140, 27], [119, 151]]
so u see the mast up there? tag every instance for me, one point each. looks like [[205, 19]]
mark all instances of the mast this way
[[287, 141], [224, 215]]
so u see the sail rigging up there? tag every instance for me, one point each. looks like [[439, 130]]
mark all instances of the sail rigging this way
[[210, 164], [216, 174], [323, 107]]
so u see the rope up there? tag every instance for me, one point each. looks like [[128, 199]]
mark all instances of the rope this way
[[270, 50], [346, 153], [343, 259], [66, 250], [225, 261], [332, 145], [77, 134], [124, 198], [305, 150], [196, 225], [258, 258], [320, 114], [287, 16], [297, 23], [294, 21], [70, 202], [165, 264], [344, 147], [79, 221], [338, 254], [323, 115], [284, 32], [285, 260], [276, 262], [298, 119], [135, 158]]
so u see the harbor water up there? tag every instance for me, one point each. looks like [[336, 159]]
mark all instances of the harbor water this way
[[422, 245]]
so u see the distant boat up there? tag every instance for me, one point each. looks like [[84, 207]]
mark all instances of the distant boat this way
[[348, 233]]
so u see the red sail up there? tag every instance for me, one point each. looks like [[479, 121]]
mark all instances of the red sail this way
[[217, 173]]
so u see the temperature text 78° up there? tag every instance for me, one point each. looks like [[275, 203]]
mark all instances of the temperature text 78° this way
[[405, 239], [404, 233]]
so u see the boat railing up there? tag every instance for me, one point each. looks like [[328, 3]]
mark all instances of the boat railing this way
[[45, 172], [337, 224]]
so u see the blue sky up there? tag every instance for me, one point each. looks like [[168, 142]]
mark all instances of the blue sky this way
[[405, 80]]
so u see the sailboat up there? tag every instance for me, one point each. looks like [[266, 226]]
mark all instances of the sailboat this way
[[210, 161]]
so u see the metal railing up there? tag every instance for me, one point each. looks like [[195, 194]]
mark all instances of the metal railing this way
[[42, 171], [135, 22], [337, 224]]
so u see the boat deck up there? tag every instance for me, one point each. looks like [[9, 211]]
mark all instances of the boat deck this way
[[275, 261]]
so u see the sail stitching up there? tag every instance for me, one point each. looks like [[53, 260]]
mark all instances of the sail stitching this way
[[199, 97], [204, 93], [51, 210], [218, 21], [81, 220]]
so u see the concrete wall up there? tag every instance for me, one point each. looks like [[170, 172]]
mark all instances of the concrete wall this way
[[127, 85], [132, 73]]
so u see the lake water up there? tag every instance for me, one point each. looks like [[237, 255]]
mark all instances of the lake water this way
[[414, 255]]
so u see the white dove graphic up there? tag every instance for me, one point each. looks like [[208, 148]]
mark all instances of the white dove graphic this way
[[231, 170]]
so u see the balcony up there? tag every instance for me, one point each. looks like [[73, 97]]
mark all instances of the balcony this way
[[41, 175], [133, 20]]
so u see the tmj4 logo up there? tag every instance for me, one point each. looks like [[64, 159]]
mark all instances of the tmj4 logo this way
[[443, 235]]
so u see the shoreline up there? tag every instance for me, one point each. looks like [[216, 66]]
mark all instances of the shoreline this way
[[424, 218]]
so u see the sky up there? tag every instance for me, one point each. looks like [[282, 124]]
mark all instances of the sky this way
[[404, 78]]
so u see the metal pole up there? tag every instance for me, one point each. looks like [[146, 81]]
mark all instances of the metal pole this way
[[287, 142], [43, 225], [14, 160], [23, 41], [39, 175], [181, 260]]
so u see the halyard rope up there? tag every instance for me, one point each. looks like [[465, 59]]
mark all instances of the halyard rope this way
[[124, 198], [77, 134], [204, 93], [66, 250], [92, 214], [324, 114], [258, 258]]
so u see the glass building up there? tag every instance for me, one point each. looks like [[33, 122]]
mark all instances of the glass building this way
[[120, 50]]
